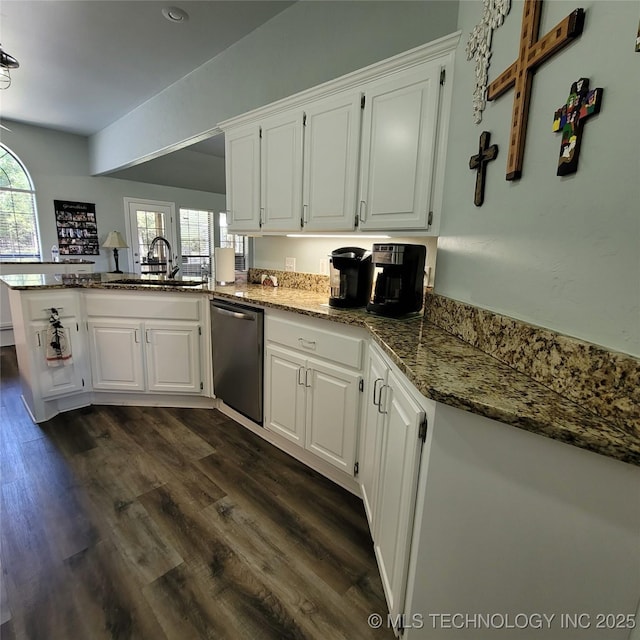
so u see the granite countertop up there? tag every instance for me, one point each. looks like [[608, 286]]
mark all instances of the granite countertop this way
[[40, 281], [63, 261], [441, 366], [446, 369]]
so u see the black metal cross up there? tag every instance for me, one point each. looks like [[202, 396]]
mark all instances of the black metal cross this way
[[485, 154]]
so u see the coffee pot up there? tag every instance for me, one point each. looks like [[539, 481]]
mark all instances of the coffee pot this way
[[350, 277], [399, 279]]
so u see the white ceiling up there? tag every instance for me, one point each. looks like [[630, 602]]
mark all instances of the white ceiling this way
[[86, 63]]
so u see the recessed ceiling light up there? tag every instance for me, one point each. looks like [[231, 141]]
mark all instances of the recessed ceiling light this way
[[175, 14]]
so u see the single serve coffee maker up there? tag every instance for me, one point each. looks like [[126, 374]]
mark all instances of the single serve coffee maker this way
[[350, 277], [399, 279]]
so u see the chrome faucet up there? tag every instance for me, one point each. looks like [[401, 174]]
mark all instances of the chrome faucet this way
[[171, 270]]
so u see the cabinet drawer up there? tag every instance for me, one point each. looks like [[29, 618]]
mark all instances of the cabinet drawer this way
[[312, 340], [38, 304], [154, 304]]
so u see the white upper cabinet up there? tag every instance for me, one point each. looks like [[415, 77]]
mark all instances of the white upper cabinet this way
[[398, 149], [242, 158], [281, 172], [331, 152], [327, 164]]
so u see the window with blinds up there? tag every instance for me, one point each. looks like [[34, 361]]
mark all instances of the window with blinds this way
[[239, 243], [19, 236], [196, 242]]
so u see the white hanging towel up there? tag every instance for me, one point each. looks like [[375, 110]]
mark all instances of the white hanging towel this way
[[58, 352]]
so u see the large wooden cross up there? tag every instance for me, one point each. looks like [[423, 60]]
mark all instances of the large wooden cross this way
[[533, 52]]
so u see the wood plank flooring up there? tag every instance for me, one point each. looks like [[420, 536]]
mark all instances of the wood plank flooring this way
[[172, 524]]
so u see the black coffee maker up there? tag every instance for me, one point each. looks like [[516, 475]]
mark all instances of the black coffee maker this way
[[351, 276], [399, 285]]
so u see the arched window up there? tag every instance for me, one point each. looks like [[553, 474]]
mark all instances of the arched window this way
[[18, 218]]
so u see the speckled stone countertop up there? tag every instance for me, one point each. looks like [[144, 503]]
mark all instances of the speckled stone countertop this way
[[441, 366], [41, 281], [64, 261], [446, 369]]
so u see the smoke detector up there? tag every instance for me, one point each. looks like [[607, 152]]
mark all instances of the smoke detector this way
[[175, 14]]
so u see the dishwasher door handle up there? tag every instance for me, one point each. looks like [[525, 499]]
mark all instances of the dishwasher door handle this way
[[234, 314]]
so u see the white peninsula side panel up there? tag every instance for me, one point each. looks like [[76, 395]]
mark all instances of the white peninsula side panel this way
[[510, 524]]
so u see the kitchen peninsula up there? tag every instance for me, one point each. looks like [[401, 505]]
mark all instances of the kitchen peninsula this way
[[471, 472], [441, 366]]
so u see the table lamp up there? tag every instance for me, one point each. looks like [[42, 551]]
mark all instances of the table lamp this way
[[115, 241]]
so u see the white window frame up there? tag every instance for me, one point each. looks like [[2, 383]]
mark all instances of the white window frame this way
[[32, 192]]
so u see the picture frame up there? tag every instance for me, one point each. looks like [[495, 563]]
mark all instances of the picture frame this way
[[77, 228]]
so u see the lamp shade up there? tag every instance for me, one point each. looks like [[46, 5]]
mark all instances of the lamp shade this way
[[115, 241]]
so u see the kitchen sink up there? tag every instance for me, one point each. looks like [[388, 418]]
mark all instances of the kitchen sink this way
[[157, 283]]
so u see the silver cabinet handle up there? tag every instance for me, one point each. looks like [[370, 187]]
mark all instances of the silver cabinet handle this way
[[384, 386], [305, 210], [300, 382], [306, 377], [375, 384], [307, 344], [261, 217], [136, 336], [146, 336], [39, 341]]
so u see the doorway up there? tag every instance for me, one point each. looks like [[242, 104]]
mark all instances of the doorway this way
[[146, 219]]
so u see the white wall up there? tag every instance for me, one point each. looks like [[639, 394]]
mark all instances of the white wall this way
[[309, 43], [58, 165], [563, 253]]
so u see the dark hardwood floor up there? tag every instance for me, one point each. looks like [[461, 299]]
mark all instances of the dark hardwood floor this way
[[177, 524]]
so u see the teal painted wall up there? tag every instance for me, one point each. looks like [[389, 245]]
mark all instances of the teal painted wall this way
[[562, 253]]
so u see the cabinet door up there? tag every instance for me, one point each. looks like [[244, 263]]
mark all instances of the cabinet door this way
[[281, 172], [173, 356], [397, 485], [284, 396], [242, 158], [333, 398], [398, 143], [369, 458], [116, 355], [64, 379], [331, 150]]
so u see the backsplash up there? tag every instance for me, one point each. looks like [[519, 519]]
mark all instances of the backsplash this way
[[603, 381], [292, 279]]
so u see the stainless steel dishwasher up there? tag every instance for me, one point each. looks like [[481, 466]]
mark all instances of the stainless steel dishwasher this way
[[237, 342]]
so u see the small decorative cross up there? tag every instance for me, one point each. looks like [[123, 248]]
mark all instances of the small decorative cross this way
[[533, 52], [570, 118], [485, 154]]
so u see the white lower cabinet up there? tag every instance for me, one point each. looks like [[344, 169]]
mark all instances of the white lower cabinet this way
[[484, 521], [173, 357], [371, 432], [139, 356], [117, 361], [130, 351], [285, 393], [390, 450], [313, 400], [46, 389], [314, 404], [62, 380]]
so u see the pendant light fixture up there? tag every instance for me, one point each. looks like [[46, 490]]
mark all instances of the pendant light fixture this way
[[7, 62]]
